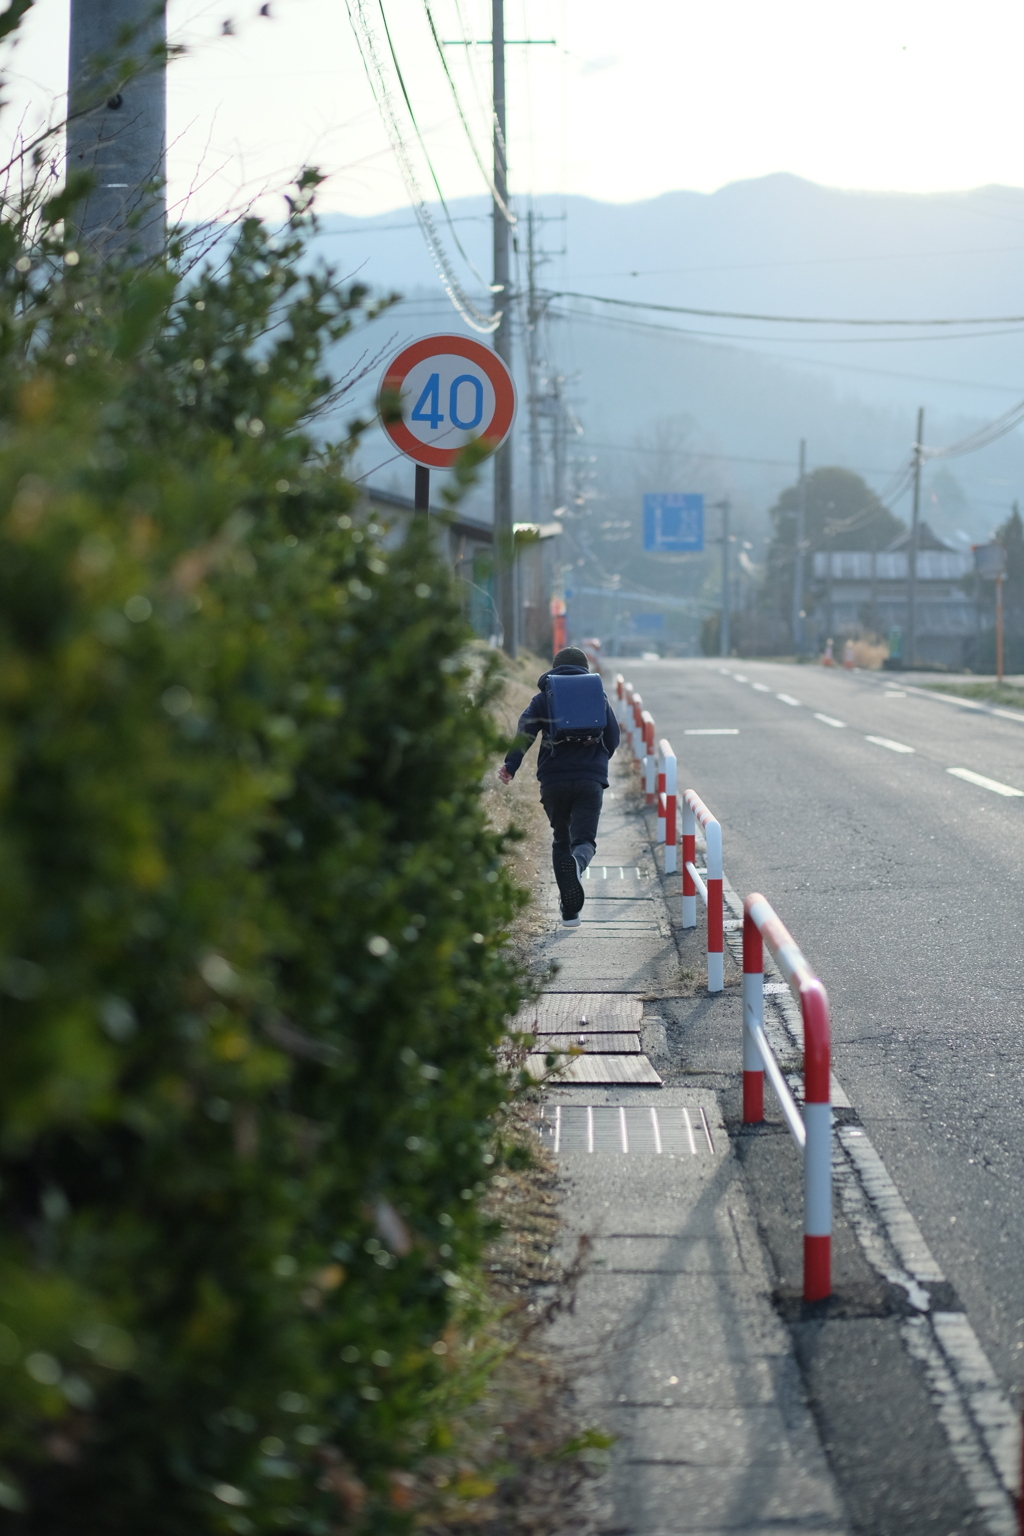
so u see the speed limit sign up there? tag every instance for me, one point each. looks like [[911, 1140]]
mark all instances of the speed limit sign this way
[[452, 391]]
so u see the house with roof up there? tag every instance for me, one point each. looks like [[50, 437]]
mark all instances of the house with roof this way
[[858, 591]]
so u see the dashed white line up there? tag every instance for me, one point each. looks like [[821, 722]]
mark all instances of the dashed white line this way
[[760, 687], [1004, 714], [740, 678], [983, 783], [893, 746], [840, 725], [787, 698], [714, 731]]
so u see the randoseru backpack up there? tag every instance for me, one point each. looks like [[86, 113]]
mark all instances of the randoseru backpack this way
[[577, 711]]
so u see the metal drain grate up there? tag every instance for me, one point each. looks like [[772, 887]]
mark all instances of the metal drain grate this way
[[626, 1130]]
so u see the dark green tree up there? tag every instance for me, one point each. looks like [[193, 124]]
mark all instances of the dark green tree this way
[[1010, 535], [842, 512]]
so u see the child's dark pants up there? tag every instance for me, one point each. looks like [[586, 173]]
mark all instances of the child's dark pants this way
[[573, 808]]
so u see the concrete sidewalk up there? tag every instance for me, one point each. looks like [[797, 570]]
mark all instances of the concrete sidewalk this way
[[676, 1348]]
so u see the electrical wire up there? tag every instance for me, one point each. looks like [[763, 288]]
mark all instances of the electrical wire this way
[[475, 318], [487, 112], [803, 341], [730, 314], [499, 201], [426, 153], [982, 437]]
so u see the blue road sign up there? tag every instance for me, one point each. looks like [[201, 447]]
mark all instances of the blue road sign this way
[[674, 523]]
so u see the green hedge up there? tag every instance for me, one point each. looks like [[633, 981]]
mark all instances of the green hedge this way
[[252, 969]]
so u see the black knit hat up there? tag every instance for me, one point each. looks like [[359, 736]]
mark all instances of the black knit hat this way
[[571, 656]]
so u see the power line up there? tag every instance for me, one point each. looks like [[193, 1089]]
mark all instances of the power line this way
[[423, 146], [982, 437], [729, 314], [506, 212], [478, 321], [803, 341]]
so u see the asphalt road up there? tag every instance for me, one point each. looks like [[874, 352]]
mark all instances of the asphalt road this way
[[903, 884]]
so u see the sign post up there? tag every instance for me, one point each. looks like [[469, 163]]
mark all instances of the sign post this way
[[440, 394]]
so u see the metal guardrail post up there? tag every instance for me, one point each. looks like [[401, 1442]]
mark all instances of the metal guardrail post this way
[[667, 802], [695, 810], [812, 1132], [650, 768]]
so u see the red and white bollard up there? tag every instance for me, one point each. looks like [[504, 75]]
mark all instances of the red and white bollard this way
[[695, 810], [637, 730], [667, 802], [812, 1132], [620, 698], [650, 764]]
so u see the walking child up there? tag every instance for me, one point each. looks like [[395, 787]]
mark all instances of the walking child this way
[[578, 734]]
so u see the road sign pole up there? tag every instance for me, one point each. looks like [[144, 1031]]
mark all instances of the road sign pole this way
[[421, 501]]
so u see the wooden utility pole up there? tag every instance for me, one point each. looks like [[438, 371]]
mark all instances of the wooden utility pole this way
[[911, 653], [504, 539], [798, 554], [117, 125]]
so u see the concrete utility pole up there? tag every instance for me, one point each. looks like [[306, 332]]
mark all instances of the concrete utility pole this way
[[117, 124], [504, 541], [533, 370], [724, 626], [798, 553], [911, 652]]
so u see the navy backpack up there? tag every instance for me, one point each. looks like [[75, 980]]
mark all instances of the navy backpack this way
[[577, 711]]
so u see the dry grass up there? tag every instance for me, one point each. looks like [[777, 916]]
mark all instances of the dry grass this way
[[520, 1463]]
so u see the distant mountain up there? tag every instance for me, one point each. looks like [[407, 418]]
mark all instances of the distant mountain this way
[[686, 402]]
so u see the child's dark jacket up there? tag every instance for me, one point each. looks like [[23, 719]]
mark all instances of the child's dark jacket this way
[[571, 760]]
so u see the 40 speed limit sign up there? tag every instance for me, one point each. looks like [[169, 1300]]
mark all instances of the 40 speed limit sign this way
[[452, 391]]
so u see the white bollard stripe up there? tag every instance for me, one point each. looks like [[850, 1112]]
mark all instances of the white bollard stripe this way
[[753, 1018], [818, 1170]]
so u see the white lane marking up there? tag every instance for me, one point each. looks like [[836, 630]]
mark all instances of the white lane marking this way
[[657, 1130], [894, 693], [760, 687], [840, 725], [787, 698], [622, 1129], [590, 1128], [1010, 714], [689, 1132], [725, 671], [717, 731], [893, 746], [740, 678], [983, 783]]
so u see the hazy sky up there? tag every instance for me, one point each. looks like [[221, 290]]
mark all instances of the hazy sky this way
[[632, 100]]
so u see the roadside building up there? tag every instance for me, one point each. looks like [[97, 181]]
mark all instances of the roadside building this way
[[468, 546], [857, 592]]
